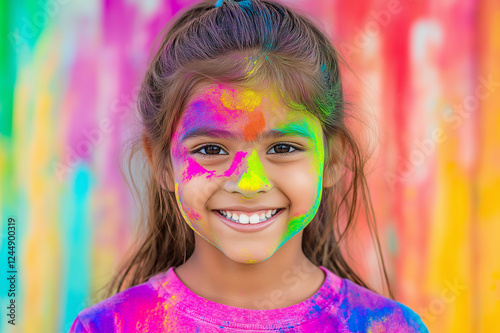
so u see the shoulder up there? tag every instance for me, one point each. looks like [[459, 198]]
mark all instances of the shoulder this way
[[115, 313], [364, 310]]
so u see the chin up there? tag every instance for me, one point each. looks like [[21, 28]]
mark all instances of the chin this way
[[248, 257]]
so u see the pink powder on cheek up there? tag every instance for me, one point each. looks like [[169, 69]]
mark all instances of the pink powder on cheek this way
[[236, 163], [193, 169], [193, 216], [177, 150]]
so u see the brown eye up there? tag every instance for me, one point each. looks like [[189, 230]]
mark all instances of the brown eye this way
[[282, 149], [212, 150]]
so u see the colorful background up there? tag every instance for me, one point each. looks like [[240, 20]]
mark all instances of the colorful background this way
[[427, 75]]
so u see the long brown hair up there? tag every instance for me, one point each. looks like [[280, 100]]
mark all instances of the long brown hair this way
[[244, 43]]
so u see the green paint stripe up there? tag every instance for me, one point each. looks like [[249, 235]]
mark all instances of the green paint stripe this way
[[7, 69]]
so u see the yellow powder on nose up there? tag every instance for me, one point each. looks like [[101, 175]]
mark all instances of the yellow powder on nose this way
[[254, 177]]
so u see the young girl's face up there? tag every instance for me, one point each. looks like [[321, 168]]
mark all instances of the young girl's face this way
[[241, 152]]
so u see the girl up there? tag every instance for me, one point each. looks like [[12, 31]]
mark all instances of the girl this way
[[254, 173]]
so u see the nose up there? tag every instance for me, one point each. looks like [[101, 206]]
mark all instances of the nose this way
[[252, 179]]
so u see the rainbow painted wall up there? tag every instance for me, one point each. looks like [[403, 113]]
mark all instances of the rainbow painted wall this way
[[429, 77]]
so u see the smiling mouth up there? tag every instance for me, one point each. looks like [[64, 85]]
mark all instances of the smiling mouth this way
[[249, 218]]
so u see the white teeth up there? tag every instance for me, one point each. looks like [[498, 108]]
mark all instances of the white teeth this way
[[244, 219], [254, 219]]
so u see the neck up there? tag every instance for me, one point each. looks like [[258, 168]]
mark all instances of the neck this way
[[285, 279]]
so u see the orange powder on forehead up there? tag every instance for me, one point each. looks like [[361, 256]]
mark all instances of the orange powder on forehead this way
[[247, 101], [255, 125]]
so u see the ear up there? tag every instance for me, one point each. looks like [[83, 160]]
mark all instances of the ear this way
[[334, 161], [165, 181]]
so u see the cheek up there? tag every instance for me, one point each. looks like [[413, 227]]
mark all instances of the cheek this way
[[303, 191], [193, 195], [305, 195], [190, 213], [197, 183], [191, 169]]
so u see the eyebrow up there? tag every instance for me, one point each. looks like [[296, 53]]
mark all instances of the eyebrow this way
[[223, 134]]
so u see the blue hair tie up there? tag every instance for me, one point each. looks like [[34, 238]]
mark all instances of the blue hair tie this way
[[240, 2]]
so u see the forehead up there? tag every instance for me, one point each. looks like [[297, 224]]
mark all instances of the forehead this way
[[232, 100], [248, 110]]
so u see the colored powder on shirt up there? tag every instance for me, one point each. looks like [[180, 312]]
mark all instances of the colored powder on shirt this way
[[165, 304]]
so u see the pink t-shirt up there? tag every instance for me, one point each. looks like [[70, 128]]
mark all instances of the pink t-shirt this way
[[165, 304]]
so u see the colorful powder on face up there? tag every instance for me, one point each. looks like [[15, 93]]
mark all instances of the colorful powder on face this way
[[238, 158], [245, 252], [201, 112], [246, 101], [193, 169], [256, 124], [236, 105], [188, 215], [313, 132], [193, 216], [177, 198], [253, 178], [297, 223], [219, 106]]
